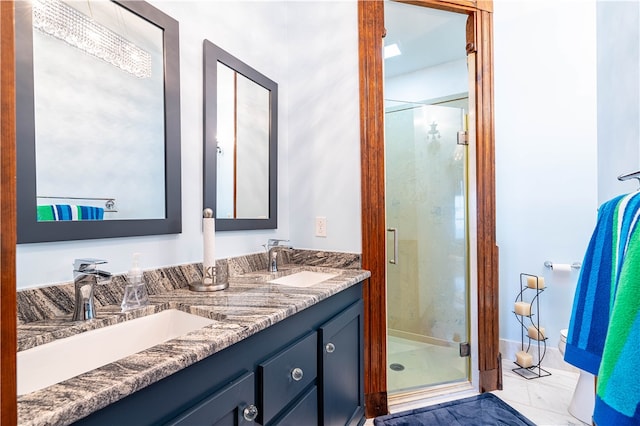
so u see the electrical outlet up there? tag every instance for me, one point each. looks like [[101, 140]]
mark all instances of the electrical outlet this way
[[321, 226]]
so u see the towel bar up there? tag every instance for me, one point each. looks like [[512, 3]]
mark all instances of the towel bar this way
[[574, 265], [109, 202], [628, 176]]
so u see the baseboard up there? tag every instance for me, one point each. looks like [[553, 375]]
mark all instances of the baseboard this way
[[552, 359]]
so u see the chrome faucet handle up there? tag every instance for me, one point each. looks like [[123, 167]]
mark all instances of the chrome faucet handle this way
[[272, 242], [87, 264], [87, 267]]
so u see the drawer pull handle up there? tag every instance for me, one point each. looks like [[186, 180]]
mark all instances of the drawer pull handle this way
[[330, 347], [296, 374], [250, 413]]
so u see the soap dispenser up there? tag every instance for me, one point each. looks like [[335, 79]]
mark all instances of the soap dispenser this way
[[135, 291]]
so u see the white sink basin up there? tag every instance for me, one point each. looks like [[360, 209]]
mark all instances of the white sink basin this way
[[63, 359], [303, 279]]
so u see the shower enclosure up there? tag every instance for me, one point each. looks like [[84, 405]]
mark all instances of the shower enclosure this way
[[427, 269]]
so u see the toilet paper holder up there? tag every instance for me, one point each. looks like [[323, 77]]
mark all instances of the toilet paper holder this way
[[575, 265]]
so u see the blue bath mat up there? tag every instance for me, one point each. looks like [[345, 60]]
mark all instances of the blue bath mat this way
[[480, 410]]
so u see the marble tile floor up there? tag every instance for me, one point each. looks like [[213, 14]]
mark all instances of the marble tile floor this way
[[544, 401]]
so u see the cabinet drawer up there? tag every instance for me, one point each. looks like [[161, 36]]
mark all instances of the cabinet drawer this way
[[286, 375], [225, 407], [305, 412]]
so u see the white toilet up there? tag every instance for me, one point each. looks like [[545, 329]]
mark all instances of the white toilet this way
[[584, 398]]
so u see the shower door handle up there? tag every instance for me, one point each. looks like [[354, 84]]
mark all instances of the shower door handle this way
[[395, 245]]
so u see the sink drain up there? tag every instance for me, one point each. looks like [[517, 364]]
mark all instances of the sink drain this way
[[396, 367]]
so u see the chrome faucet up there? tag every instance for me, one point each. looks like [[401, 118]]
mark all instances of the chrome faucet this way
[[272, 247], [85, 276]]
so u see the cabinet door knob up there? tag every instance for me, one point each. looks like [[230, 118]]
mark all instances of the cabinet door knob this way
[[250, 413], [330, 347], [296, 374]]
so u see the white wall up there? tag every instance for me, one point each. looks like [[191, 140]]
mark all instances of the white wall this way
[[618, 38], [546, 149], [310, 49], [324, 125]]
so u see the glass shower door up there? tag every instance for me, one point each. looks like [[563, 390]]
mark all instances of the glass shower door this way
[[427, 273]]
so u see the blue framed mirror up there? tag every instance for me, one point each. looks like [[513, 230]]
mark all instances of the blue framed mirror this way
[[240, 143], [98, 120]]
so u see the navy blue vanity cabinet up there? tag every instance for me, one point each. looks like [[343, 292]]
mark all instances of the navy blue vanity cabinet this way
[[341, 364], [305, 370]]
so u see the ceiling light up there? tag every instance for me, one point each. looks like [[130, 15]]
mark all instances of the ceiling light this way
[[391, 50]]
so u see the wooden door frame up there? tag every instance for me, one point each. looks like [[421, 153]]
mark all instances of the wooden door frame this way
[[479, 40], [8, 315]]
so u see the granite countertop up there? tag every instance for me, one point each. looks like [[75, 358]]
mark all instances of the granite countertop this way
[[249, 305]]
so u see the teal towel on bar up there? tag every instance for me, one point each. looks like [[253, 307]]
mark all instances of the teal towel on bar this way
[[590, 315], [64, 212], [55, 212], [618, 389], [90, 213], [604, 332]]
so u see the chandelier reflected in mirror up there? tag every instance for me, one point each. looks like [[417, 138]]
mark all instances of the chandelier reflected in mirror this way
[[57, 19]]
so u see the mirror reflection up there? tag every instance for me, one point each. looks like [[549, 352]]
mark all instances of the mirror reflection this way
[[110, 162], [243, 146], [240, 171]]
